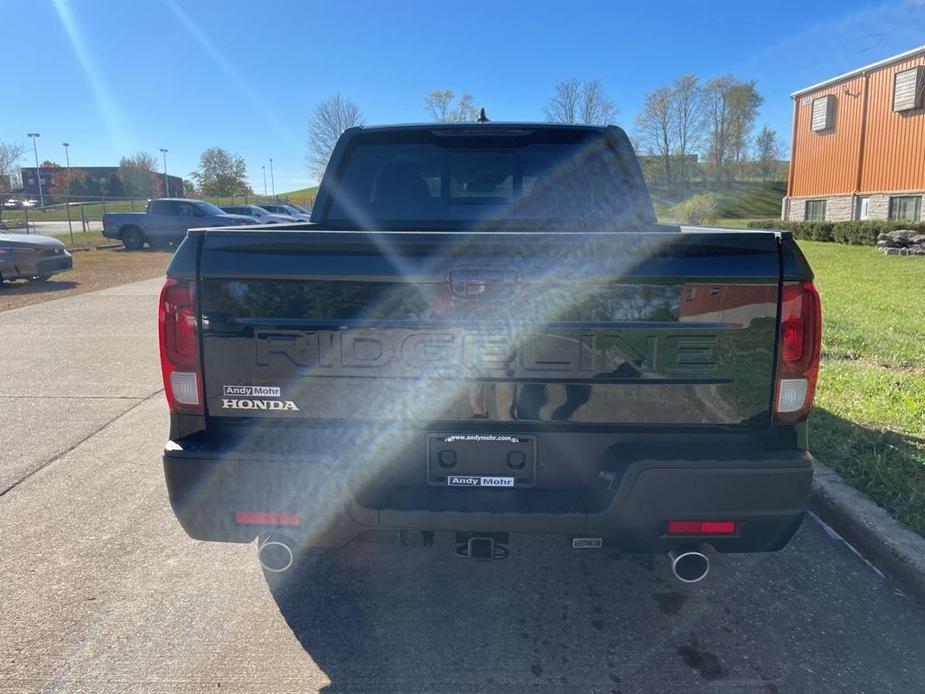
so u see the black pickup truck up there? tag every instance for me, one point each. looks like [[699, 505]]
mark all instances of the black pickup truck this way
[[482, 332]]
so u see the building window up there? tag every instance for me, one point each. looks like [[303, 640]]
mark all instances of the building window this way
[[823, 116], [31, 181], [815, 211], [906, 208], [862, 208], [907, 89]]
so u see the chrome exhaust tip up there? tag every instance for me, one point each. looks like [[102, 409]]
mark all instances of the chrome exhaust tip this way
[[689, 564], [275, 554]]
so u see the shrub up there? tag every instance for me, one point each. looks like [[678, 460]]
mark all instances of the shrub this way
[[854, 233], [698, 209]]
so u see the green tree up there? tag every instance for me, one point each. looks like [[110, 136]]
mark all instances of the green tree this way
[[189, 189], [138, 175], [221, 173]]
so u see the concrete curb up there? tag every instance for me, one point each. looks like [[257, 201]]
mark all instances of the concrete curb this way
[[891, 547]]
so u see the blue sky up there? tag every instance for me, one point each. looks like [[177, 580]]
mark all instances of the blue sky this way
[[115, 77]]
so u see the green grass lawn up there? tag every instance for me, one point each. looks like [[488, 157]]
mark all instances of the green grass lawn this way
[[301, 194], [751, 200], [869, 420], [86, 239]]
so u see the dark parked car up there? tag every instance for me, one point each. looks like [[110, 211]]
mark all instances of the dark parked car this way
[[165, 221], [25, 256]]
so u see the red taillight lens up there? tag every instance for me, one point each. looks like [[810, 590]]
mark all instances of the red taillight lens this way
[[798, 354], [266, 518], [694, 527], [179, 340], [791, 339]]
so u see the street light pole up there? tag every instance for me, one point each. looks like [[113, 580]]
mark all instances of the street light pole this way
[[272, 184], [67, 189], [38, 172], [264, 180], [166, 182]]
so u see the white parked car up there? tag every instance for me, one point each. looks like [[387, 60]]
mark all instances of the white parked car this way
[[259, 213], [291, 210]]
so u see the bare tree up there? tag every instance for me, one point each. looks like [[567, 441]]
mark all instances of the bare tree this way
[[440, 105], [730, 108], [564, 104], [325, 124], [716, 121], [465, 111], [687, 119], [655, 127], [767, 151], [10, 155], [574, 101], [595, 106], [745, 101]]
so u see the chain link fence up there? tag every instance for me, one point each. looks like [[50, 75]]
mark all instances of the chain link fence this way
[[21, 213]]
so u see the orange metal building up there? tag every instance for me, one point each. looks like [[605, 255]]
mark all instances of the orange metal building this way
[[858, 147]]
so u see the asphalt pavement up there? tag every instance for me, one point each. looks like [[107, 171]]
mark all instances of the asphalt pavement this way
[[58, 228], [102, 591]]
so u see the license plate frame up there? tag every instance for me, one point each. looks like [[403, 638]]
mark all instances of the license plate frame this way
[[481, 461]]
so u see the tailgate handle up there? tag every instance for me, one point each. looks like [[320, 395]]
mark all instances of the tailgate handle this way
[[488, 284]]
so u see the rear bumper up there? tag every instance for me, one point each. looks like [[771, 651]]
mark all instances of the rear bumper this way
[[765, 496]]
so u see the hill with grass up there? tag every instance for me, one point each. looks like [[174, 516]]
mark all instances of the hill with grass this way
[[301, 195], [740, 200]]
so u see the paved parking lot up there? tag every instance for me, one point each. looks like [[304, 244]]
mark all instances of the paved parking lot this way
[[58, 228], [102, 591]]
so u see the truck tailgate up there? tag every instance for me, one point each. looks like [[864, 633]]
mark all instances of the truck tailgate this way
[[647, 328]]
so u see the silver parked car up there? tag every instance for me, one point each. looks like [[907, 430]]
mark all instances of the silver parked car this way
[[290, 210], [259, 213], [25, 256]]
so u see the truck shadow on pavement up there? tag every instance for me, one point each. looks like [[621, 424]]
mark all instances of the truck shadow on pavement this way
[[377, 617]]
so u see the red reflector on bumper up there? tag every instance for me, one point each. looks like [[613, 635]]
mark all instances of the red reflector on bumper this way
[[679, 527], [263, 518]]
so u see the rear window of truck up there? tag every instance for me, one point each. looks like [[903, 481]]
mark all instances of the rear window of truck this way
[[444, 178]]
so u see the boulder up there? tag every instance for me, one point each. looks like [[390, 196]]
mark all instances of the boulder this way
[[900, 238], [901, 242]]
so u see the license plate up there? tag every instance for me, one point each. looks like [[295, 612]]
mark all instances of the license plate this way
[[481, 460], [478, 481]]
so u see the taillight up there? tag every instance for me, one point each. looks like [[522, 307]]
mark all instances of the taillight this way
[[266, 518], [702, 527], [798, 353], [179, 340]]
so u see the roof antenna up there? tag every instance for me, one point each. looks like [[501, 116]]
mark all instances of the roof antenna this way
[[482, 117]]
